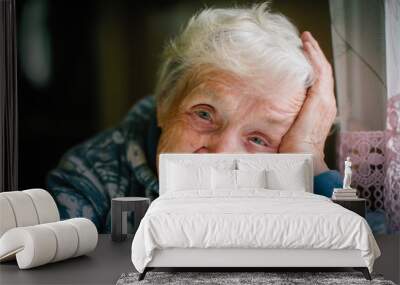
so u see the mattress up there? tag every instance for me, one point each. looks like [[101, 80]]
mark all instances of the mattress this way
[[250, 219]]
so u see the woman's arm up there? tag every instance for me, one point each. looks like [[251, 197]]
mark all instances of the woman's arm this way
[[88, 176], [65, 186], [92, 173]]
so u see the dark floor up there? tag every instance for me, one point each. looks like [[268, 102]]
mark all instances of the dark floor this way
[[110, 259], [389, 262]]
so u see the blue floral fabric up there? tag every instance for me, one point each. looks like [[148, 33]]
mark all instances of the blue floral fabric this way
[[111, 164], [118, 162]]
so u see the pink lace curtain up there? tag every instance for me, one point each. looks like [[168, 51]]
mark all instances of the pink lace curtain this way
[[367, 152], [376, 164], [367, 74]]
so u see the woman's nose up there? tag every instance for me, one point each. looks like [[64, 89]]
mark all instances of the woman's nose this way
[[227, 141]]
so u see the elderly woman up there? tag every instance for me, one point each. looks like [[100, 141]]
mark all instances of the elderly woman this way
[[235, 81]]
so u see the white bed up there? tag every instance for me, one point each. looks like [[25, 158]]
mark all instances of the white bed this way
[[215, 211]]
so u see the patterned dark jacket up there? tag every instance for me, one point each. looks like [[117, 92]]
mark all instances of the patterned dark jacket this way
[[118, 162]]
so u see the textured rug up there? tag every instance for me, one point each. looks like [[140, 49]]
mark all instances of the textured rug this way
[[269, 278]]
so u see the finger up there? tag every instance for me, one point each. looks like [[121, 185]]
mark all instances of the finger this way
[[323, 79], [309, 37], [313, 57], [304, 35], [313, 41], [322, 64]]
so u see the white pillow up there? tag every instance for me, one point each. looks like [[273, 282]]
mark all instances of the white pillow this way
[[181, 178], [282, 174], [223, 179], [293, 180], [251, 178]]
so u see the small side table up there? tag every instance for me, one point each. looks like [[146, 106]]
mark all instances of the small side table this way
[[357, 205], [119, 214]]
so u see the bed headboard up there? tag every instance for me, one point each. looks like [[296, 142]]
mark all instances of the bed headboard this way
[[278, 162]]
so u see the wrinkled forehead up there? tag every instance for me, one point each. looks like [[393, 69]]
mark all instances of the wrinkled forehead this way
[[208, 81]]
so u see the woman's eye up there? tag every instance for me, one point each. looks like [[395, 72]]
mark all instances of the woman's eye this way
[[204, 115], [258, 141]]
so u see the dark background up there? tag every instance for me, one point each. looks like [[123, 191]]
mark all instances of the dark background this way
[[82, 64]]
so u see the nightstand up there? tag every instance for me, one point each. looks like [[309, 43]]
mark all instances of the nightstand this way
[[120, 207], [357, 205]]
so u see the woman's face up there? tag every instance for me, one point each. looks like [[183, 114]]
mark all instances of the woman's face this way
[[221, 113]]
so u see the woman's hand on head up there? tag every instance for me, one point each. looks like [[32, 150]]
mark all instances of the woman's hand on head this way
[[311, 127]]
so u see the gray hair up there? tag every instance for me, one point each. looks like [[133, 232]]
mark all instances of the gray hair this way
[[248, 42]]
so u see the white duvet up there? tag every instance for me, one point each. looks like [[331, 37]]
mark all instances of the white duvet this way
[[250, 218]]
